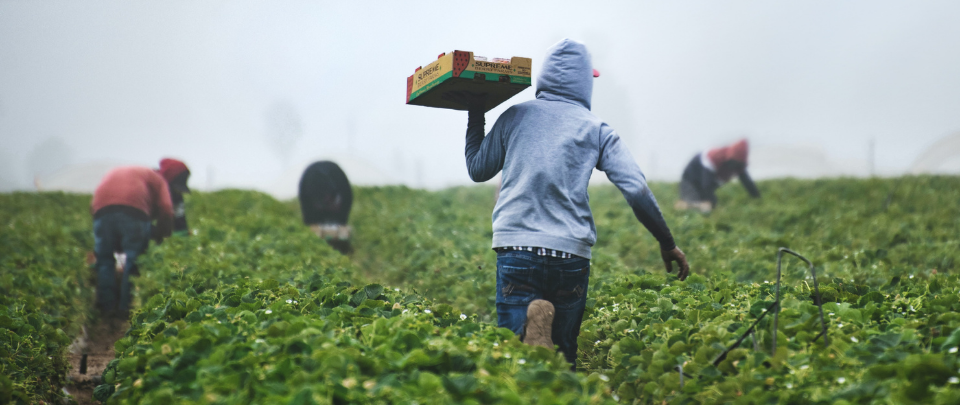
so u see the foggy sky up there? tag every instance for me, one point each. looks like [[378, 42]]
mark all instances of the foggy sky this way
[[132, 82]]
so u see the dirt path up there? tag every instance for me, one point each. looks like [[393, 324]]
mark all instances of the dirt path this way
[[98, 346]]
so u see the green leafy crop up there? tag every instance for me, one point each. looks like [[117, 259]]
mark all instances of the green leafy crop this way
[[253, 308], [887, 275], [45, 290]]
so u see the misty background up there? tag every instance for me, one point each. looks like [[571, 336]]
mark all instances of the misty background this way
[[248, 93]]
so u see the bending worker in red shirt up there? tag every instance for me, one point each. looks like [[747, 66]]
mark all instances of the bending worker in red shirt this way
[[125, 203], [710, 170]]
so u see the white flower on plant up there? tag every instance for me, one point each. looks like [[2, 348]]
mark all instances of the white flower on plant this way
[[789, 385], [597, 343], [953, 380], [405, 311], [841, 380], [831, 314], [427, 311], [522, 361], [804, 367], [604, 377], [911, 276], [952, 350], [840, 325], [507, 355], [854, 339], [463, 317], [289, 301], [495, 344], [396, 289], [268, 312]]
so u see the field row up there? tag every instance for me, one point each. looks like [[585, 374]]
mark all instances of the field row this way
[[253, 308]]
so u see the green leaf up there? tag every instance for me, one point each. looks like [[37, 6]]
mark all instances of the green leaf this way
[[952, 341], [373, 291]]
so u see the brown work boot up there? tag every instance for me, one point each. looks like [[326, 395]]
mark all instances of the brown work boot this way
[[539, 324]]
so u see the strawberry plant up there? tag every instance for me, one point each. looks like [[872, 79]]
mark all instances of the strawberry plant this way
[[45, 290], [253, 308], [881, 268]]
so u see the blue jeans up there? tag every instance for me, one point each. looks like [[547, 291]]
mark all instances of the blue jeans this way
[[117, 232], [525, 276]]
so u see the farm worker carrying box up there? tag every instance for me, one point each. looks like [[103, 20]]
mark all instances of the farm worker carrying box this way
[[709, 170], [542, 226], [124, 204]]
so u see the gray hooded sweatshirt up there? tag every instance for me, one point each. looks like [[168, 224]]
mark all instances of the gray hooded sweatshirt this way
[[547, 149]]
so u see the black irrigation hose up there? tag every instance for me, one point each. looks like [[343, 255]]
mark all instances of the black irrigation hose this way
[[776, 316], [889, 199], [680, 369], [816, 289], [736, 344]]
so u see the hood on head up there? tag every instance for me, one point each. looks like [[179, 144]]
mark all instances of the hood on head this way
[[171, 169], [736, 152], [567, 74]]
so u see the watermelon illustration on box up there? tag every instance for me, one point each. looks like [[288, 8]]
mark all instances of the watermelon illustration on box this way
[[500, 79]]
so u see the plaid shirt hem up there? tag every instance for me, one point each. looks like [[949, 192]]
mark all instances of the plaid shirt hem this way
[[538, 250]]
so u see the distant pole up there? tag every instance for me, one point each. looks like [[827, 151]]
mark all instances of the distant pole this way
[[420, 172], [871, 159], [210, 174], [351, 134], [652, 172]]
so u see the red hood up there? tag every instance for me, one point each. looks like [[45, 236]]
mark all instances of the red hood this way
[[736, 152], [171, 168], [733, 153]]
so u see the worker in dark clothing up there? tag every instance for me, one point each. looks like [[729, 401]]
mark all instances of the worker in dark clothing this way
[[125, 203], [176, 173], [710, 170], [325, 202]]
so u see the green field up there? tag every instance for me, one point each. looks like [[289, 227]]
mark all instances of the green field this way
[[255, 309]]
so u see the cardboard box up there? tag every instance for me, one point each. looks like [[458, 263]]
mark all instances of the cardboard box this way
[[460, 71]]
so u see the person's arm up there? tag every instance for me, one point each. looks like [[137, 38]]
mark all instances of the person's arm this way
[[484, 154], [708, 186], [163, 208], [749, 184], [616, 161]]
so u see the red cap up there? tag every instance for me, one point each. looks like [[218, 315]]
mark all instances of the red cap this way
[[596, 73], [171, 168], [737, 152]]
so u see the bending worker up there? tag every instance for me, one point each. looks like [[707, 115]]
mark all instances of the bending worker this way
[[176, 173], [325, 202], [710, 170], [543, 229], [125, 203]]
